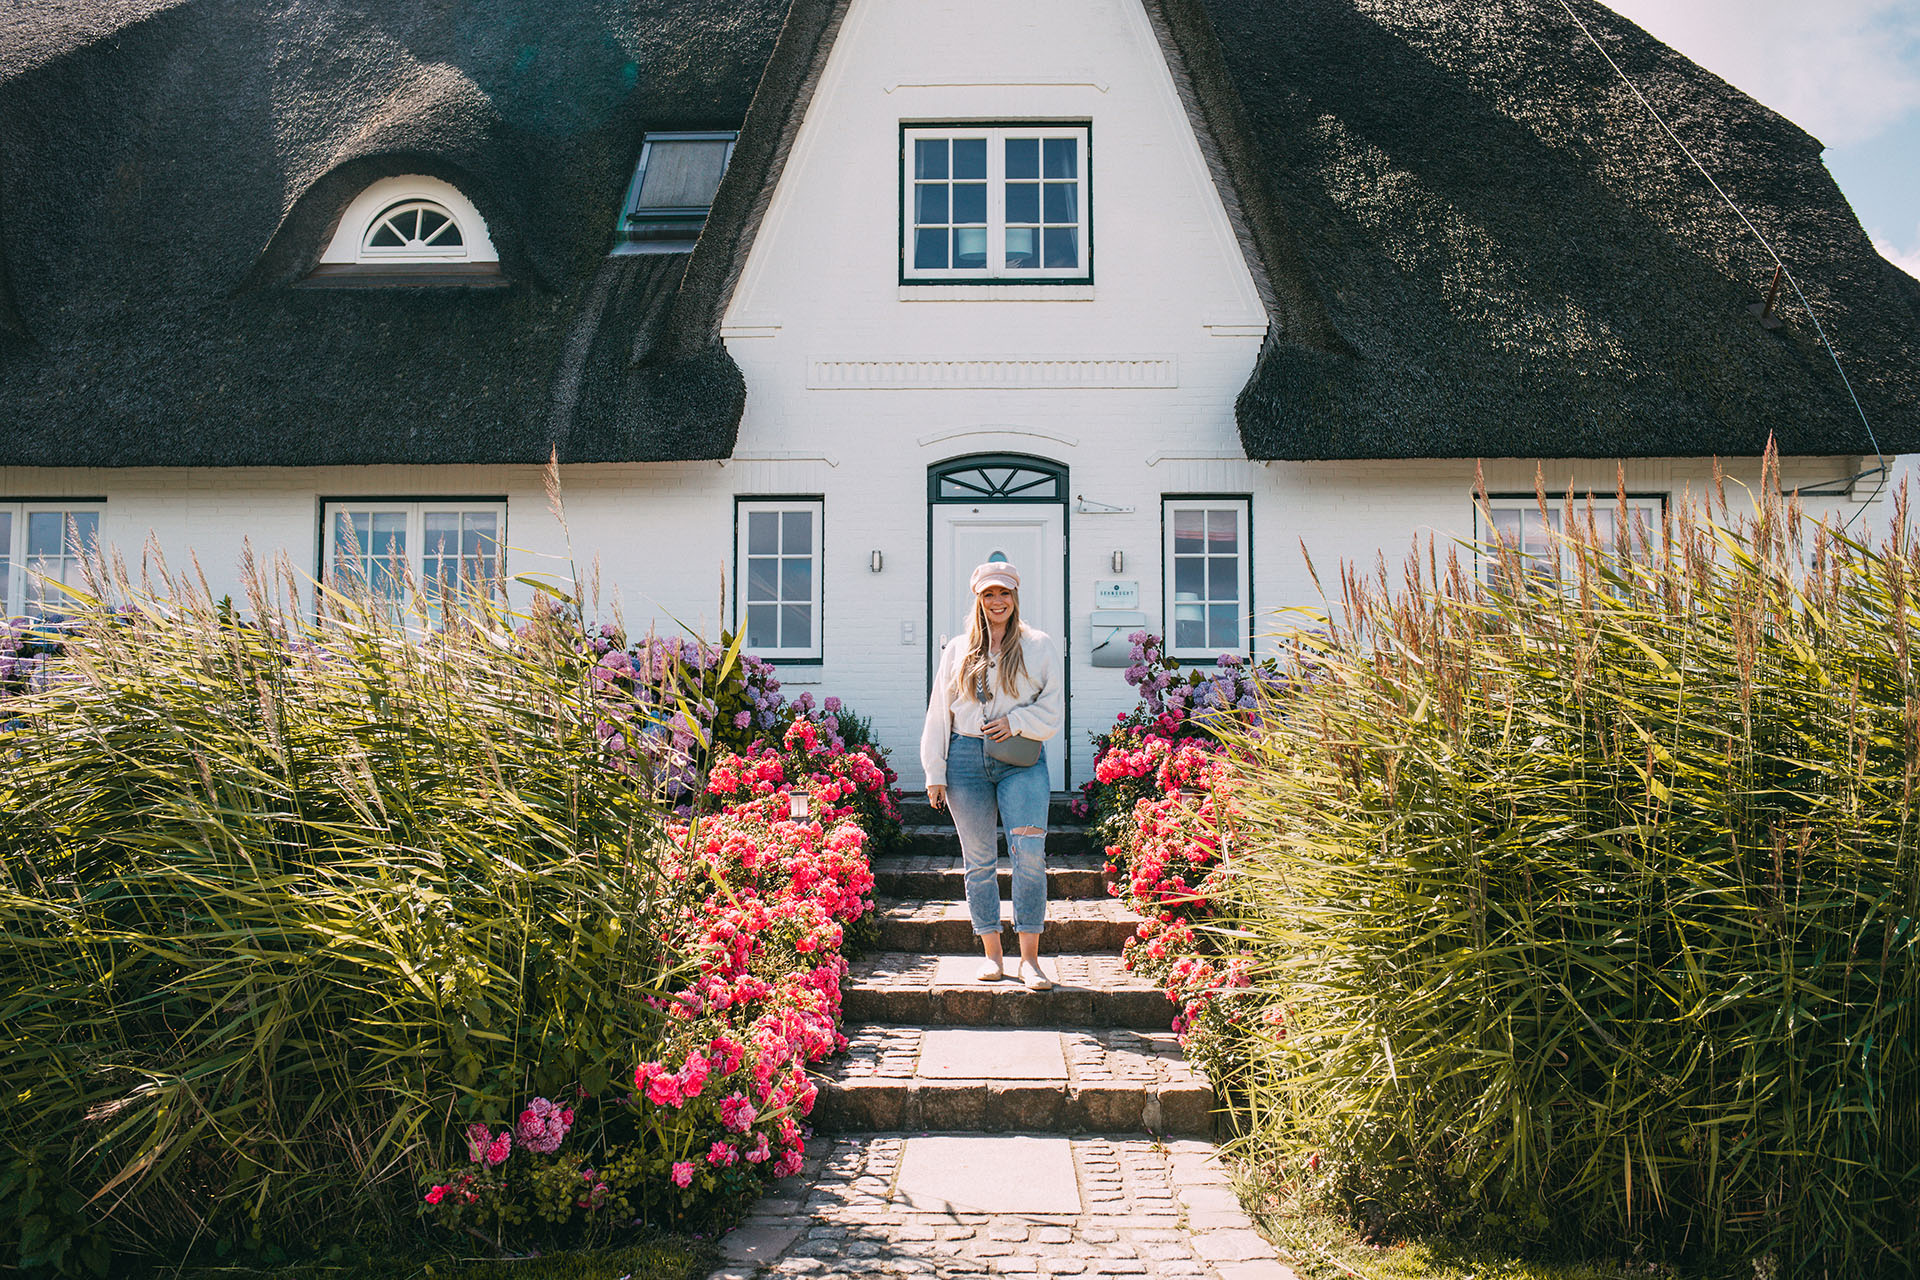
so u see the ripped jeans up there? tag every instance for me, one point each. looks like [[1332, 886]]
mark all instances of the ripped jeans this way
[[982, 793]]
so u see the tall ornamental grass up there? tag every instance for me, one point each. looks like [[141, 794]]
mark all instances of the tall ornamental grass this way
[[285, 906], [1588, 900]]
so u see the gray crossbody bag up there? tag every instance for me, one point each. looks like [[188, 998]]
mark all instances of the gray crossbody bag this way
[[1019, 750]]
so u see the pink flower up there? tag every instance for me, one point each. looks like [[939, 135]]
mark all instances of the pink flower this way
[[736, 1113], [761, 1150], [436, 1195], [478, 1136], [722, 1153], [787, 1165], [682, 1173], [500, 1149]]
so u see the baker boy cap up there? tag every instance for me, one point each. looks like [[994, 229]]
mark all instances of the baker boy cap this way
[[996, 574]]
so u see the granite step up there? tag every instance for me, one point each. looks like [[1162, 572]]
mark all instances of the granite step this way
[[1006, 1080], [1069, 875], [1089, 991], [942, 925], [917, 812], [940, 839]]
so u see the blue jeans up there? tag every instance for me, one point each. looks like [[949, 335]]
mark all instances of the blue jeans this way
[[982, 793]]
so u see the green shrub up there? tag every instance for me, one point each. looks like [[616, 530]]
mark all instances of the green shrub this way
[[1590, 900], [284, 907]]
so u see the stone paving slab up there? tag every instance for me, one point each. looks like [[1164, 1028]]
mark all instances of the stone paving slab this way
[[933, 990], [1114, 1079], [921, 924], [870, 1207], [937, 873]]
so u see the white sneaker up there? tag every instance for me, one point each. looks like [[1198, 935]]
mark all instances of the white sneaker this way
[[990, 971], [1034, 979]]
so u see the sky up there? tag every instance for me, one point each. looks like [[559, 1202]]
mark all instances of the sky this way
[[1846, 71]]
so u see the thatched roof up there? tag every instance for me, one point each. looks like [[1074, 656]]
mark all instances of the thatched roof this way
[[1470, 238]]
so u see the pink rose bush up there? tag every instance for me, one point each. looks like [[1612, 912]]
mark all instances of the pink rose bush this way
[[764, 901], [1164, 809]]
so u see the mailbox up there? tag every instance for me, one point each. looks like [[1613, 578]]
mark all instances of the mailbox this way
[[1108, 642]]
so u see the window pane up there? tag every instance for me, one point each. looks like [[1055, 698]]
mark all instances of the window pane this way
[[1063, 202], [1188, 529], [1062, 157], [930, 248], [762, 623], [1506, 527], [763, 578], [1023, 157], [682, 172], [1023, 247], [969, 157], [799, 532], [86, 531], [442, 530], [930, 158], [1223, 626], [969, 202], [970, 248], [1223, 531], [796, 626], [387, 238], [480, 533], [796, 579], [1223, 577], [763, 533], [930, 202], [1063, 247], [1023, 202], [1189, 577], [1189, 626], [389, 536], [45, 533]]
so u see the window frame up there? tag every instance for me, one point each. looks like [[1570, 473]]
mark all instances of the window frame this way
[[416, 509], [744, 505], [996, 132], [688, 220], [13, 596], [1170, 503], [1653, 503]]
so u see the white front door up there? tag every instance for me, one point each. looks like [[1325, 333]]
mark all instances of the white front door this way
[[1031, 536]]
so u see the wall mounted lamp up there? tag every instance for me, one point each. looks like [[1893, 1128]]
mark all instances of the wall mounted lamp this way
[[1119, 562], [876, 562]]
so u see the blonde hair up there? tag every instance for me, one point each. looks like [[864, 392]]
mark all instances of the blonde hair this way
[[1013, 662]]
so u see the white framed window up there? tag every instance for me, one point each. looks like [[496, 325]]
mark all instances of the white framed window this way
[[410, 219], [672, 190], [777, 576], [447, 550], [1208, 570], [43, 546], [1008, 202], [1515, 520]]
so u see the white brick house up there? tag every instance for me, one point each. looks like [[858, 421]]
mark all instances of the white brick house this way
[[1145, 295]]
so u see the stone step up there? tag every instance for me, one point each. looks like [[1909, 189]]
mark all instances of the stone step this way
[[1003, 1080], [940, 839], [915, 810], [1089, 991], [939, 875], [943, 926]]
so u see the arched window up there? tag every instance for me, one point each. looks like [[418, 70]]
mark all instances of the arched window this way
[[409, 230], [414, 229]]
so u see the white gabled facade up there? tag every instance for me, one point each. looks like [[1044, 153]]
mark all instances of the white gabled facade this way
[[860, 384]]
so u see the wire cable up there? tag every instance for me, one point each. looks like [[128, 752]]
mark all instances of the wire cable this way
[[1785, 270]]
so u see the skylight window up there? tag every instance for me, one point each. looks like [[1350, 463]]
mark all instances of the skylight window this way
[[672, 190]]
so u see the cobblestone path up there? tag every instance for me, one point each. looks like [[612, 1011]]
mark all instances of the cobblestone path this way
[[982, 1129]]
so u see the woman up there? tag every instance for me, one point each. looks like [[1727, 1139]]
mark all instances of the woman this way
[[1001, 679]]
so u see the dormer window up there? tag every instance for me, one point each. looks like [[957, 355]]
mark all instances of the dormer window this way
[[410, 230], [414, 229], [672, 190]]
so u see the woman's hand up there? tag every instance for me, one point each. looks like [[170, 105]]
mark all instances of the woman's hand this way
[[999, 730], [937, 796]]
